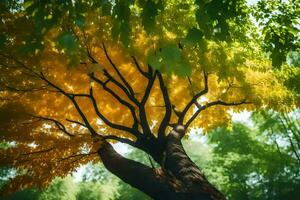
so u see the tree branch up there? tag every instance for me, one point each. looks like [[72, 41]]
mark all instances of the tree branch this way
[[34, 74], [122, 87], [148, 88], [130, 93], [127, 89], [194, 99], [146, 74], [118, 72], [76, 155], [123, 102], [119, 139], [145, 178], [88, 50], [142, 113], [72, 98], [168, 107], [37, 152], [76, 122], [218, 102], [21, 90], [86, 122], [58, 124], [109, 123]]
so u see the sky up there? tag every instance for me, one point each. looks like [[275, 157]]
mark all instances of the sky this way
[[251, 2]]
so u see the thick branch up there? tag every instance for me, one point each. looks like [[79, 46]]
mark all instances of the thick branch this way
[[127, 89], [136, 174], [148, 88], [91, 97], [142, 113], [87, 124], [168, 107], [130, 93]]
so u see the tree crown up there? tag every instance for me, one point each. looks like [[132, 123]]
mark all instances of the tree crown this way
[[120, 72]]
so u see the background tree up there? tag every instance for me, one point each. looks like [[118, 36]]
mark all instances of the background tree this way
[[254, 164], [279, 21], [92, 73]]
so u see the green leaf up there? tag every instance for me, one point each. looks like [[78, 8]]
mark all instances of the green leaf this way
[[293, 30], [80, 21], [73, 62], [293, 58], [150, 10], [80, 7], [193, 37], [125, 34], [68, 42], [31, 46], [106, 8], [121, 32], [122, 11], [115, 30], [3, 39], [169, 60], [154, 61], [183, 68], [27, 4], [170, 53]]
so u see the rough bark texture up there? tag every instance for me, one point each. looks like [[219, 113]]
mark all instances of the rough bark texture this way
[[179, 178], [140, 176], [196, 186]]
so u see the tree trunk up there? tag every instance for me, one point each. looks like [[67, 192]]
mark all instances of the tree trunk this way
[[138, 175], [179, 165], [179, 178]]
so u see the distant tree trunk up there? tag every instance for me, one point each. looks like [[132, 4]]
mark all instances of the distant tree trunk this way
[[178, 179]]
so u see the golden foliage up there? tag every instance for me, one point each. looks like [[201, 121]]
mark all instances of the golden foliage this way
[[44, 152]]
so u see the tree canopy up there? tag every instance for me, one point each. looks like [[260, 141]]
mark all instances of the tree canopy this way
[[78, 71]]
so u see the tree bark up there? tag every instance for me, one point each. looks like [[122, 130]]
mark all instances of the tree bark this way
[[178, 163], [140, 176], [178, 179]]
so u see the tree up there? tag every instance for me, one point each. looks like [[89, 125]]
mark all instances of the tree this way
[[258, 161], [280, 28], [60, 188], [93, 73]]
